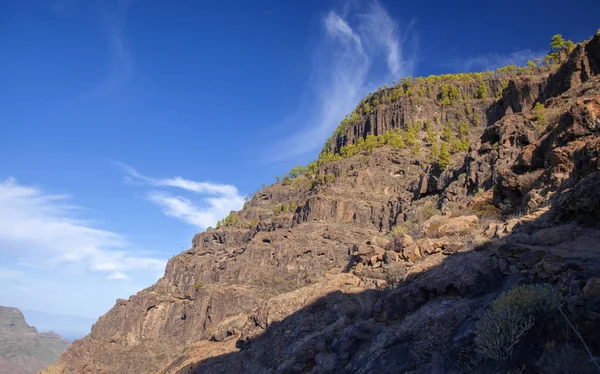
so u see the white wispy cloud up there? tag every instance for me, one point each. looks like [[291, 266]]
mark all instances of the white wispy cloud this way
[[360, 48], [121, 67], [41, 230], [492, 61], [207, 203]]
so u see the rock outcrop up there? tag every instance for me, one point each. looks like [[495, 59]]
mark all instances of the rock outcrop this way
[[383, 261], [23, 350]]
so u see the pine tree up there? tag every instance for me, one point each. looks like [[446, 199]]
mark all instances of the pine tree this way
[[481, 92], [447, 131], [366, 108], [557, 42], [444, 99], [569, 46], [556, 45], [444, 157], [434, 152], [430, 132], [370, 143], [454, 93]]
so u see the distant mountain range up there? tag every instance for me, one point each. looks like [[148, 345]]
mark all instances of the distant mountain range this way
[[24, 350], [69, 327]]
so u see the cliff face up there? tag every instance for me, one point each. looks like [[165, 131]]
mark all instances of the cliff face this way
[[22, 349], [382, 261]]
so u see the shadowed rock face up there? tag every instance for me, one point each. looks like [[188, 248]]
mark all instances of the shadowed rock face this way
[[312, 280], [22, 349]]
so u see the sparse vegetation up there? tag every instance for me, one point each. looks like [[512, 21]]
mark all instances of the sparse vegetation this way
[[415, 218], [510, 316], [399, 230], [198, 285], [485, 208]]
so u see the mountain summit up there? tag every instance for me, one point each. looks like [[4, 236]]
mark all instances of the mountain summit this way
[[450, 224], [23, 350]]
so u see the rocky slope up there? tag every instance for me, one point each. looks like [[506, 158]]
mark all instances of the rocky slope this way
[[382, 258], [23, 350]]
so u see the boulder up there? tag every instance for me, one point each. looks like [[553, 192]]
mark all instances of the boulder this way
[[390, 257], [430, 226], [365, 249], [458, 225], [592, 288], [359, 267], [378, 241], [452, 247], [398, 243], [374, 259], [411, 253], [426, 246], [326, 362]]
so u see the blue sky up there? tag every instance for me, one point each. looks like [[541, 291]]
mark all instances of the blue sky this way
[[129, 126]]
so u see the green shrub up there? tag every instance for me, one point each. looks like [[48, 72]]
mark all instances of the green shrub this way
[[510, 316], [366, 108], [297, 171], [476, 118], [485, 208], [569, 46], [198, 285], [468, 109], [329, 178], [231, 220], [371, 142], [393, 139], [415, 149], [540, 112], [399, 230]]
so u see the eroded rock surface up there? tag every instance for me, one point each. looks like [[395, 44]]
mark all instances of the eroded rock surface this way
[[382, 262]]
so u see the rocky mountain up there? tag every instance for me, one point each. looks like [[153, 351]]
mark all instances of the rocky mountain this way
[[23, 350], [450, 224]]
